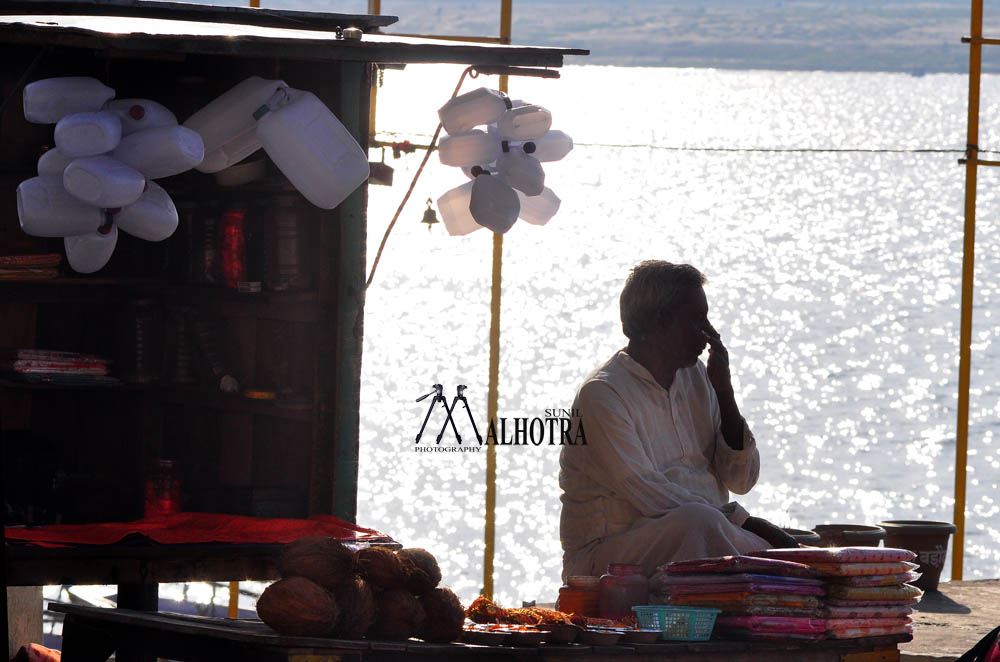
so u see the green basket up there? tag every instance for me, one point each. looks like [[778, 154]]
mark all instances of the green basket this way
[[677, 623]]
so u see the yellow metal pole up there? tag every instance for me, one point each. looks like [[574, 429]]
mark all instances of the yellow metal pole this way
[[374, 8], [491, 451], [234, 600], [968, 274]]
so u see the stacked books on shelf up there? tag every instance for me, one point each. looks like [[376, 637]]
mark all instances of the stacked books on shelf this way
[[798, 594], [41, 366], [41, 266]]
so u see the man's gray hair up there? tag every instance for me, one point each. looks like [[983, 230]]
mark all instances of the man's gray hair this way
[[652, 291]]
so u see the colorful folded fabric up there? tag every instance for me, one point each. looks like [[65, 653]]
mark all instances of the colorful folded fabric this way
[[840, 602], [773, 624], [810, 555], [740, 587], [862, 569], [857, 633], [868, 611], [873, 593], [668, 578], [845, 623], [876, 580], [794, 612], [743, 634], [732, 600], [738, 564]]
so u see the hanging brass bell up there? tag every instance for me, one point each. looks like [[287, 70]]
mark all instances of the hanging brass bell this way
[[430, 216]]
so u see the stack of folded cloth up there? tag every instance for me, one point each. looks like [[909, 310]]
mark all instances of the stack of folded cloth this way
[[29, 266], [770, 599], [867, 593], [52, 367]]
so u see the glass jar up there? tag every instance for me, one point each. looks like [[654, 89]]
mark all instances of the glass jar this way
[[623, 587], [162, 490]]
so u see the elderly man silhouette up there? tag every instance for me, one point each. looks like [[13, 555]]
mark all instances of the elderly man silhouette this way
[[666, 442]]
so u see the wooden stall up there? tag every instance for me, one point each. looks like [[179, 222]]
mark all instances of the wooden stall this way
[[251, 392]]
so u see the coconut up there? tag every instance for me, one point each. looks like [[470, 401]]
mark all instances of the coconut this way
[[298, 607], [422, 570], [357, 609], [381, 567], [445, 616], [398, 615], [323, 560]]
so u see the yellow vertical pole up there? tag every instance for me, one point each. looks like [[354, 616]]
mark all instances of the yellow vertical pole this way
[[374, 8], [968, 274], [234, 600], [492, 397]]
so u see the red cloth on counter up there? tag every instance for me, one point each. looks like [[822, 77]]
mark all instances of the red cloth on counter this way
[[187, 528]]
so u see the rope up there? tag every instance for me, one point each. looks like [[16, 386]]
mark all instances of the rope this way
[[413, 183]]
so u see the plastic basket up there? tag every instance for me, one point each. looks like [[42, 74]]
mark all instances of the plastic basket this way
[[677, 623]]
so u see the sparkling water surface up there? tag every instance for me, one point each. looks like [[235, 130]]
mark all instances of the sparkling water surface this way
[[834, 278]]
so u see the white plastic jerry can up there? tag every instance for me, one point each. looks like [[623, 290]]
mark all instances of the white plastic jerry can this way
[[48, 100], [524, 123], [162, 151], [152, 217], [471, 109], [46, 209], [87, 253], [474, 147], [52, 163], [493, 204], [87, 134], [317, 153], [102, 181], [553, 146], [474, 171], [455, 214], [141, 114], [522, 172], [538, 209], [229, 119]]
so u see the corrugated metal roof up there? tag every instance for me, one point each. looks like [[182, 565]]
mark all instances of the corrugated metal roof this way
[[187, 36]]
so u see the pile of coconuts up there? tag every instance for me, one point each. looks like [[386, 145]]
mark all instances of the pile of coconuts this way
[[329, 590]]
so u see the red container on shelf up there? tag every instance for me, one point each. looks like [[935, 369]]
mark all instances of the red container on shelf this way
[[578, 600], [232, 248], [163, 490], [623, 587]]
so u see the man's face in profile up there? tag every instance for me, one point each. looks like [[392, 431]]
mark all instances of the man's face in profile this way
[[685, 329]]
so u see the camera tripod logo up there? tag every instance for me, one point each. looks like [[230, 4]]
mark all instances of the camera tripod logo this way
[[438, 394]]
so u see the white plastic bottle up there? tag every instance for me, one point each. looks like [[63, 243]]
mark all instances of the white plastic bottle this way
[[46, 209], [87, 134], [538, 209], [311, 147], [473, 171], [471, 109], [152, 217], [88, 253], [52, 163], [521, 172], [455, 214], [141, 114], [162, 151], [493, 204], [474, 147], [102, 181], [553, 146], [48, 100], [229, 119], [524, 123]]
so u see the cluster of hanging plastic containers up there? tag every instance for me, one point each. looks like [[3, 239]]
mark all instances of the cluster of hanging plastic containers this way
[[503, 162], [98, 177]]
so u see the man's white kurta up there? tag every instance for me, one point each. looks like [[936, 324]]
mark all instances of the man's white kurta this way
[[650, 451]]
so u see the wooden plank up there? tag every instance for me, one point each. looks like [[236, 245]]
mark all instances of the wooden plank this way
[[873, 656]]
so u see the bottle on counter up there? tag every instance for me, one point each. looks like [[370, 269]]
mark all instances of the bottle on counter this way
[[623, 587], [162, 490]]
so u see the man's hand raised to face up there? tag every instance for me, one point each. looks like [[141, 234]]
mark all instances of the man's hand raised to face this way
[[718, 364]]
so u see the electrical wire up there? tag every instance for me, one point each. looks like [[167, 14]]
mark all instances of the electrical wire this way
[[413, 183]]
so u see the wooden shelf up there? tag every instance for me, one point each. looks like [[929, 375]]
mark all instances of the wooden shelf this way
[[297, 306], [185, 396]]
